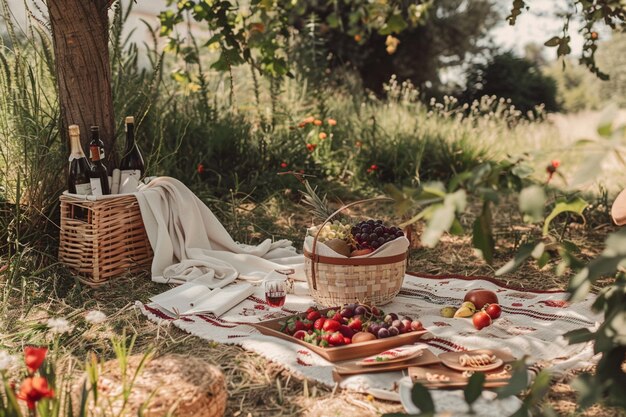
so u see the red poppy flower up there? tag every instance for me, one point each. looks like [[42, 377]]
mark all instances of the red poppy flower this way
[[283, 164], [322, 135], [200, 168], [34, 357], [309, 119], [317, 122], [332, 122], [310, 147], [374, 167], [34, 389]]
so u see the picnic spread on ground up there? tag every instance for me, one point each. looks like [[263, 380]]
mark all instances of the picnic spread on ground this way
[[352, 316]]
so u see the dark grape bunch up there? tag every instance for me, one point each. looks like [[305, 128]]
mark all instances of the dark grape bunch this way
[[373, 234]]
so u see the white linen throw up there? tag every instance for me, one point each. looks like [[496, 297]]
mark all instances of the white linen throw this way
[[190, 243]]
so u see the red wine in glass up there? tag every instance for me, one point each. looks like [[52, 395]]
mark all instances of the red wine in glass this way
[[275, 293]]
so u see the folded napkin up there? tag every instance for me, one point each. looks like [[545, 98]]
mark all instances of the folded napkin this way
[[395, 247]]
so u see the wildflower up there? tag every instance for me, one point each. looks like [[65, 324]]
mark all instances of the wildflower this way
[[310, 147], [34, 389], [317, 122], [34, 357], [283, 164], [6, 361], [551, 169], [95, 317], [301, 124], [59, 326], [358, 144], [309, 119], [372, 168], [322, 135], [358, 37], [200, 168], [332, 122]]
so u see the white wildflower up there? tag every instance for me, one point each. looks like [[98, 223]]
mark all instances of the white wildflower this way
[[95, 317], [7, 361], [59, 326]]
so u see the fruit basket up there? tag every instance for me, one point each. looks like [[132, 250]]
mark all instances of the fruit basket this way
[[276, 328], [371, 277]]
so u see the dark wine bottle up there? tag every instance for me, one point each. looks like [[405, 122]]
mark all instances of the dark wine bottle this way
[[98, 174], [131, 165], [78, 178]]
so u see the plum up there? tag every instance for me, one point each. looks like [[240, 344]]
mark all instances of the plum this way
[[383, 333]]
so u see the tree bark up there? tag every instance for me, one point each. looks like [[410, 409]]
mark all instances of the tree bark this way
[[80, 32]]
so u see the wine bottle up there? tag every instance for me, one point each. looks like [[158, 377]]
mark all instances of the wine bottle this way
[[78, 178], [131, 165], [98, 174]]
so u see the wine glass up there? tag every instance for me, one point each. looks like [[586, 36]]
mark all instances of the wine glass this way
[[276, 293]]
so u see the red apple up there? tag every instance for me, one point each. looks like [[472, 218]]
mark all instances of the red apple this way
[[494, 310], [480, 296], [481, 319]]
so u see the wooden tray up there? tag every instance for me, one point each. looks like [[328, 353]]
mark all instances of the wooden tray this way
[[427, 358], [340, 353]]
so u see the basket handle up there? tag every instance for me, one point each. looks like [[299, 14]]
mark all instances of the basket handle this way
[[314, 254]]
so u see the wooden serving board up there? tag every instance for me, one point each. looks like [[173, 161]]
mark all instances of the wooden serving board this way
[[451, 379], [339, 353], [351, 368]]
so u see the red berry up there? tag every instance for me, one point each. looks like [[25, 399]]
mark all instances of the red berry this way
[[416, 325], [313, 315], [300, 334], [319, 323], [481, 319], [336, 339], [356, 324], [331, 325], [347, 340], [338, 317]]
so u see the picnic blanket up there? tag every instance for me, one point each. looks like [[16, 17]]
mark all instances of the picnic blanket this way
[[532, 324]]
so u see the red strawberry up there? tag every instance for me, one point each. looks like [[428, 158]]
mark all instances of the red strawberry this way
[[346, 340], [310, 309], [338, 317], [313, 315], [319, 323], [295, 326], [336, 339], [326, 336], [331, 325], [356, 324], [300, 334], [308, 324], [346, 331]]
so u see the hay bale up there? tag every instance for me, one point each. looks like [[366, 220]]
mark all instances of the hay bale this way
[[180, 385]]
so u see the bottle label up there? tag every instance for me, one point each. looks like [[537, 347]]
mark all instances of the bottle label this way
[[96, 187], [129, 181], [83, 189], [95, 153]]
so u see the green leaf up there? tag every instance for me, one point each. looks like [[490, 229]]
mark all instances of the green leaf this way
[[518, 381], [588, 390], [532, 201], [539, 387], [553, 41], [474, 387], [395, 24], [523, 253], [579, 336], [440, 221], [576, 206], [482, 234], [422, 399], [522, 170]]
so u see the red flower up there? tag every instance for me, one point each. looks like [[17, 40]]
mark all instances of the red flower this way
[[317, 122], [200, 168], [551, 168], [332, 122], [34, 357], [358, 144], [34, 389], [283, 164], [323, 135], [372, 168], [311, 147]]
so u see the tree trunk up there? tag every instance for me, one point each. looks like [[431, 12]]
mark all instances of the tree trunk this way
[[80, 31]]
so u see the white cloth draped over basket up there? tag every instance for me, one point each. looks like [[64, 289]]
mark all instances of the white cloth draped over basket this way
[[190, 243]]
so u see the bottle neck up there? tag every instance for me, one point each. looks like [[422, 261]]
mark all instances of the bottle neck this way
[[76, 148], [130, 136]]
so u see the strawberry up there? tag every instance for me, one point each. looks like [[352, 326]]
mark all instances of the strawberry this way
[[312, 338], [346, 331], [336, 339], [338, 317], [308, 324], [294, 326], [319, 323], [331, 325], [356, 324], [310, 309], [347, 340], [313, 315], [300, 334], [326, 336]]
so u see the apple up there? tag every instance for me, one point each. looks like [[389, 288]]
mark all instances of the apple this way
[[481, 319], [494, 310], [480, 296], [416, 325]]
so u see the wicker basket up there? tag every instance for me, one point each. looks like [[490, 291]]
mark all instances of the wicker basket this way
[[337, 281], [103, 238]]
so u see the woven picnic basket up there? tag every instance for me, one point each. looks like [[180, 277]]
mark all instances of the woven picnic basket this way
[[336, 281], [103, 237]]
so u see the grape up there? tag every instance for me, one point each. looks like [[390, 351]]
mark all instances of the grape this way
[[379, 222], [375, 244], [383, 333], [393, 331], [382, 240], [379, 230]]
